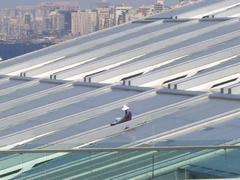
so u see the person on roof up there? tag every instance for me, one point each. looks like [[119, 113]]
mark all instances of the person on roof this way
[[127, 116]]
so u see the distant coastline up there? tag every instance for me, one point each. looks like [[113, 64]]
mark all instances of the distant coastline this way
[[10, 50]]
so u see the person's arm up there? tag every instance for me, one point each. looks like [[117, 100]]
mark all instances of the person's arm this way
[[127, 117], [122, 120]]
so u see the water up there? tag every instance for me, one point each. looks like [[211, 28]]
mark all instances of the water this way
[[8, 51]]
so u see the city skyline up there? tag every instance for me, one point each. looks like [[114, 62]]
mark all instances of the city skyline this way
[[60, 21], [84, 4]]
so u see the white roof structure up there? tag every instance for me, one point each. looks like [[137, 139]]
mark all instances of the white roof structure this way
[[177, 71]]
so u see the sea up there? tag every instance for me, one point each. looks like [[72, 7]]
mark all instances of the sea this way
[[11, 50]]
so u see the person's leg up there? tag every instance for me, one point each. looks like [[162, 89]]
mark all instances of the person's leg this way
[[113, 124]]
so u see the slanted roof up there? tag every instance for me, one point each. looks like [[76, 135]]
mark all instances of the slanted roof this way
[[171, 71]]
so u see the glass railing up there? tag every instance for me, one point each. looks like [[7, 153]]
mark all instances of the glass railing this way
[[189, 162]]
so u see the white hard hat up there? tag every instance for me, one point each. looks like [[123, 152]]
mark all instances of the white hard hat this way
[[125, 107]]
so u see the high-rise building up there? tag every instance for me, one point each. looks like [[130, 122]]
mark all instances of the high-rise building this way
[[27, 19], [105, 16], [121, 14], [158, 6], [68, 20], [84, 22], [146, 10], [57, 21]]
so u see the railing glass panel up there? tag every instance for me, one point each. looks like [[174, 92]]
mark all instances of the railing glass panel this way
[[196, 162]]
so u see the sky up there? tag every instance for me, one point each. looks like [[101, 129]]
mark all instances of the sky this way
[[83, 3]]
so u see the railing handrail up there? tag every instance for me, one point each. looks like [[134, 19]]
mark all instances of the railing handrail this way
[[163, 148]]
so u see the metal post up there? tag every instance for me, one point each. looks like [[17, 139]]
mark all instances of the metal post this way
[[153, 163]]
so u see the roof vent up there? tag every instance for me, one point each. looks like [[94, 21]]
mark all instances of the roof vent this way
[[144, 21], [23, 74], [212, 18], [53, 76], [224, 83], [208, 128]]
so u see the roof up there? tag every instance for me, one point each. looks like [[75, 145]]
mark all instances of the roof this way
[[178, 72]]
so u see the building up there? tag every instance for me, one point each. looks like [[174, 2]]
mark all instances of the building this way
[[27, 19], [146, 10], [37, 21], [84, 22], [158, 6], [121, 14], [105, 17], [57, 21], [68, 20]]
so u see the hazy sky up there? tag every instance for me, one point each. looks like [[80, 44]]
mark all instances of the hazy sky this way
[[83, 3]]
